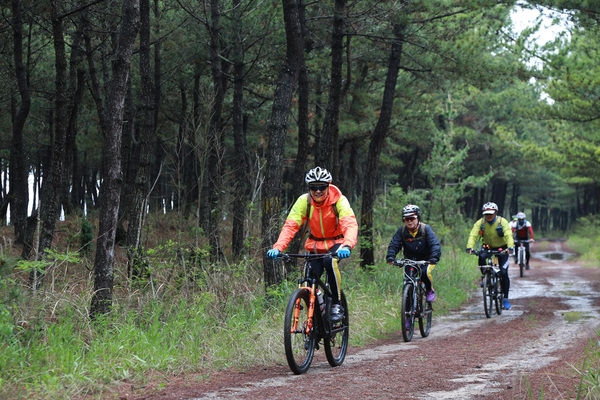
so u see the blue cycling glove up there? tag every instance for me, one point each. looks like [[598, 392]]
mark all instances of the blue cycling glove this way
[[273, 253], [344, 252]]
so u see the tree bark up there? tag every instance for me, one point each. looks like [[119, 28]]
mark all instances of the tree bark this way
[[242, 159], [377, 139], [286, 85], [328, 155], [18, 166], [300, 169], [212, 184], [111, 186], [50, 193], [144, 148]]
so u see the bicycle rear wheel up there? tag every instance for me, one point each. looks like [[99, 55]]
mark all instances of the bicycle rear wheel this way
[[488, 295], [336, 344], [299, 347], [408, 312], [425, 312]]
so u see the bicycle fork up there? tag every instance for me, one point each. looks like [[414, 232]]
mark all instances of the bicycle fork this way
[[413, 307], [311, 312]]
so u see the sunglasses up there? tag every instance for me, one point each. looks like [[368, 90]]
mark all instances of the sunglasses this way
[[317, 188], [409, 218]]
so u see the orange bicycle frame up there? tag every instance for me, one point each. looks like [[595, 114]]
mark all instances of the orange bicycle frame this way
[[311, 310]]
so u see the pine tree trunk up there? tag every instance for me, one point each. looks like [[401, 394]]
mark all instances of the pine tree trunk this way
[[377, 140], [286, 85], [111, 186], [18, 169]]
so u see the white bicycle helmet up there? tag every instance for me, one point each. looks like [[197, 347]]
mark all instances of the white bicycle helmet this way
[[411, 210], [317, 174], [489, 208], [521, 215]]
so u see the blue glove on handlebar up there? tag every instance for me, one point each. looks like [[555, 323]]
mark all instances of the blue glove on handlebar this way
[[344, 252], [273, 253]]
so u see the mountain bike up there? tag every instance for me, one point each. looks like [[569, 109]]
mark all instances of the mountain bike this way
[[520, 244], [492, 291], [414, 304], [306, 324]]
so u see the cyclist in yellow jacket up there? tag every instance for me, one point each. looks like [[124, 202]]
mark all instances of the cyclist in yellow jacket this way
[[332, 228], [496, 234]]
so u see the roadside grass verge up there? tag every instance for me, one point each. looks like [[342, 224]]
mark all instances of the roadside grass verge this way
[[584, 242]]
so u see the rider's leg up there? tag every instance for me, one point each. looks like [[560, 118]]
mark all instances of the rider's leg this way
[[504, 279], [334, 277], [426, 276], [482, 261], [527, 254], [427, 279]]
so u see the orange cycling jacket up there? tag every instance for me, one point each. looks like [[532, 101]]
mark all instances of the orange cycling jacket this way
[[326, 228]]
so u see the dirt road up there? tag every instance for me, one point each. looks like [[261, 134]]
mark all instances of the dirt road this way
[[529, 351]]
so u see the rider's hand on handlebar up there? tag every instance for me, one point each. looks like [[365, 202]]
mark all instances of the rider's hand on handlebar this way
[[511, 251], [273, 253], [469, 250], [343, 252]]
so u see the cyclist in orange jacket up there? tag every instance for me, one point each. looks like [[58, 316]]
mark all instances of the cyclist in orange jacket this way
[[332, 228]]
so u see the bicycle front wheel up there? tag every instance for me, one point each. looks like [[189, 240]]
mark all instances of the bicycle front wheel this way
[[299, 346], [408, 312], [425, 312], [521, 261], [498, 296], [488, 294], [336, 344]]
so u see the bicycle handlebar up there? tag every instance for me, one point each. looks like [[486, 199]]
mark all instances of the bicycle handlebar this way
[[518, 241], [405, 261], [489, 252], [307, 256]]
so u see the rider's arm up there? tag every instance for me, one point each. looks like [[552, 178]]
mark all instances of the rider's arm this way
[[348, 222], [435, 249], [474, 235], [292, 224], [508, 236], [530, 228], [395, 246]]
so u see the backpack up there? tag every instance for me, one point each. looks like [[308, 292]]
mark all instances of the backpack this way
[[421, 228], [516, 234], [499, 229]]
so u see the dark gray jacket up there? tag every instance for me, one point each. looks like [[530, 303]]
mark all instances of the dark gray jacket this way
[[425, 246]]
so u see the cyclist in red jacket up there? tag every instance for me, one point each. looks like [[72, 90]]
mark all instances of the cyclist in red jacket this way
[[332, 228], [522, 230]]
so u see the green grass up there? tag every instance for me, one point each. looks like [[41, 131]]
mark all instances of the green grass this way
[[57, 352]]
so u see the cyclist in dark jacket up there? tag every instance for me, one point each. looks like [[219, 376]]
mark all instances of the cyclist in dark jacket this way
[[419, 243]]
